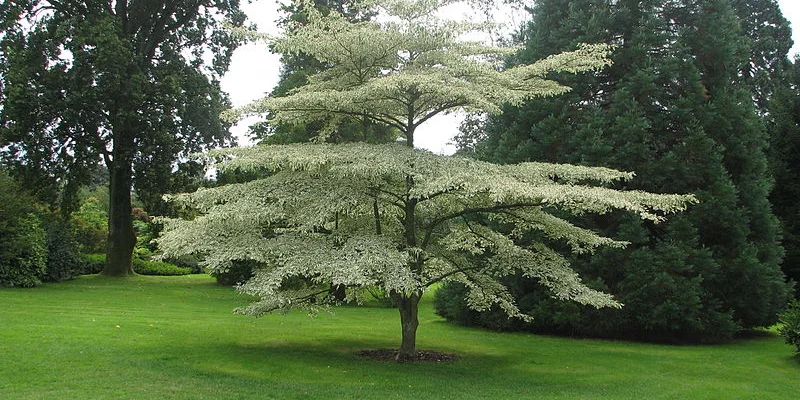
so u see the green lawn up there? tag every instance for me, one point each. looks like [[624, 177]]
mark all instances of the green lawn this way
[[176, 338]]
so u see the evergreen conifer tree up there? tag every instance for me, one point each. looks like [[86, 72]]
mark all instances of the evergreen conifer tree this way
[[784, 128], [669, 110]]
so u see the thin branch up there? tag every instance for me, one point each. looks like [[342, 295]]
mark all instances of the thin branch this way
[[438, 110], [437, 194], [458, 270], [386, 119], [467, 211], [392, 194], [310, 296]]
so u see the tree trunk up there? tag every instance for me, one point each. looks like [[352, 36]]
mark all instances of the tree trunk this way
[[409, 321], [409, 305], [121, 236]]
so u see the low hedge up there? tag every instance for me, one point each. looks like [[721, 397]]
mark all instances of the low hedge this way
[[94, 263], [144, 267]]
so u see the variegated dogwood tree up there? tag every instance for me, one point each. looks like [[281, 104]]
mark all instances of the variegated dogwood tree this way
[[392, 216]]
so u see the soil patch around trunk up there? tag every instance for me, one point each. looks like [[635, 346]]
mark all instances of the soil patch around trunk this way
[[426, 356]]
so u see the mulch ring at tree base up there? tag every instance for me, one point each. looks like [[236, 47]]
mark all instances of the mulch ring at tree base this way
[[422, 356]]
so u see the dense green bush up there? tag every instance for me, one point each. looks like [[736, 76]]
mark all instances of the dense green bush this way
[[63, 258], [92, 263], [22, 240], [144, 234], [187, 261], [552, 316], [240, 271], [91, 226], [790, 325], [449, 303], [144, 267], [23, 253]]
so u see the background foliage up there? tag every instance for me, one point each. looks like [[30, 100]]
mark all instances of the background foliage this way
[[677, 108]]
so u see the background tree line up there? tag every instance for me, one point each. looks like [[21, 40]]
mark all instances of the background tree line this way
[[131, 87]]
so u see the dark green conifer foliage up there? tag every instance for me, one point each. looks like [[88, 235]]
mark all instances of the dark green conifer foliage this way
[[770, 37], [669, 109], [784, 128]]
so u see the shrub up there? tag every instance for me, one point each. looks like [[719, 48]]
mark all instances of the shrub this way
[[91, 226], [93, 263], [662, 285], [790, 325], [22, 239], [63, 257], [23, 253], [144, 236], [239, 272], [190, 261], [158, 268], [450, 302]]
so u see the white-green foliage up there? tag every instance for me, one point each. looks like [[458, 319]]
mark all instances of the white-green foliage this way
[[314, 218], [393, 216], [408, 68]]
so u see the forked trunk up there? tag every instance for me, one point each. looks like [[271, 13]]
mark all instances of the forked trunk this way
[[409, 321]]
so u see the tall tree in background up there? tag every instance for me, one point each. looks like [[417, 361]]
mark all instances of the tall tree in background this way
[[784, 128], [770, 38], [771, 79], [125, 82], [669, 110]]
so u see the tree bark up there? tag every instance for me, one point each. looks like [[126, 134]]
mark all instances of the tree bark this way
[[408, 305], [121, 236], [409, 321]]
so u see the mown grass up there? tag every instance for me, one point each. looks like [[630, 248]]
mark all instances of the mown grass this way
[[176, 338]]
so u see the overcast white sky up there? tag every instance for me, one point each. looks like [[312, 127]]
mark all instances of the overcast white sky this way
[[254, 72]]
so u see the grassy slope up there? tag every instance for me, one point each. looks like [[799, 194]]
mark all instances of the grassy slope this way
[[175, 337]]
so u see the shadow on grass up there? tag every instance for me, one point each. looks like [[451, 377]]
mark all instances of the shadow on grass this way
[[320, 369], [273, 359], [331, 368], [795, 360], [335, 350], [750, 334]]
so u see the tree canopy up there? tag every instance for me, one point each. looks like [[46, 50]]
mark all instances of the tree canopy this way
[[406, 70], [677, 107], [402, 219], [392, 216], [131, 84], [295, 70]]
